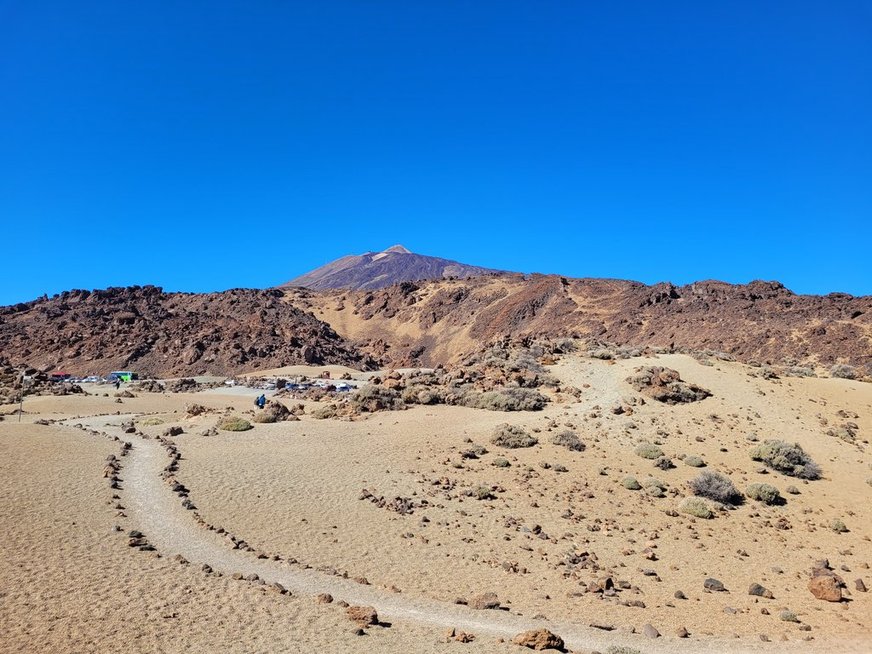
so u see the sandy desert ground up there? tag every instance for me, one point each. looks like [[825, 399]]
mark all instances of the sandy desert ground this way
[[304, 496]]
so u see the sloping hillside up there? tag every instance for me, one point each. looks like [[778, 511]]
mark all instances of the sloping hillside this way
[[374, 270], [167, 334], [434, 322]]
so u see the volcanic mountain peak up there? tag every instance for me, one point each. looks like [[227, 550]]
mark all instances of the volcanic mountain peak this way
[[374, 270]]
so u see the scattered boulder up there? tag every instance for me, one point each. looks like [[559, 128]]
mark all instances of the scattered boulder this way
[[665, 385], [825, 587], [274, 411], [760, 591], [362, 615], [192, 410], [539, 639], [485, 601], [714, 585], [650, 631], [175, 430]]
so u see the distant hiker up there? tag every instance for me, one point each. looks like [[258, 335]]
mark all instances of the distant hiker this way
[[261, 401], [117, 383]]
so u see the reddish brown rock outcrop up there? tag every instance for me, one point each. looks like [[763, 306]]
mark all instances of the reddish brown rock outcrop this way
[[539, 639]]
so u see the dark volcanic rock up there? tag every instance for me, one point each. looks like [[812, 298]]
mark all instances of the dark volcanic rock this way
[[665, 385], [168, 334]]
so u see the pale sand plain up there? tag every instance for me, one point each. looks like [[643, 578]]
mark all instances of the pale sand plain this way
[[293, 489]]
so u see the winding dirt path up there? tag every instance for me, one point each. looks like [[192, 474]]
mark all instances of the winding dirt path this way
[[157, 512]]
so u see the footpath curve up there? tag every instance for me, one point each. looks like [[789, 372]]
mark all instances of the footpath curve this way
[[156, 511]]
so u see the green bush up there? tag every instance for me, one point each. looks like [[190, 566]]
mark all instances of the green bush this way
[[630, 483], [786, 458], [501, 462], [654, 487], [788, 616], [696, 507], [483, 492], [764, 493], [512, 437], [568, 439], [838, 526], [694, 461], [649, 451], [234, 423], [715, 486]]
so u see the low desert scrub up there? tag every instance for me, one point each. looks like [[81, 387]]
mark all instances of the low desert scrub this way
[[696, 507], [501, 462], [483, 492], [568, 439], [764, 493], [715, 486], [506, 399], [800, 371], [788, 616], [324, 412], [234, 423], [694, 461], [630, 483], [786, 458], [654, 487], [838, 526], [622, 649], [844, 371], [512, 437], [151, 422], [374, 398], [649, 451]]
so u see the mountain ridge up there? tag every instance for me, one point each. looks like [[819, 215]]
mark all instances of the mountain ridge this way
[[374, 270]]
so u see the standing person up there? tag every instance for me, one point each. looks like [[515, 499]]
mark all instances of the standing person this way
[[117, 383], [261, 401]]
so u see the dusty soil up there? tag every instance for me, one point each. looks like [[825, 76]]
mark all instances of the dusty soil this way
[[540, 541]]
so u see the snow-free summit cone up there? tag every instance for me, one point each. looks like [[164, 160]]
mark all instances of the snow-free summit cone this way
[[373, 270]]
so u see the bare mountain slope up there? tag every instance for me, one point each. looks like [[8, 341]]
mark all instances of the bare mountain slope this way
[[374, 270], [435, 322], [426, 323]]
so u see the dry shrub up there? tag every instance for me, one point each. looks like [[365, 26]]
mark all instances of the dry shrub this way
[[788, 459], [512, 437], [715, 486]]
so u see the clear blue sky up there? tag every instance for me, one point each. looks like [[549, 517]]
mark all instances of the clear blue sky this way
[[209, 145]]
